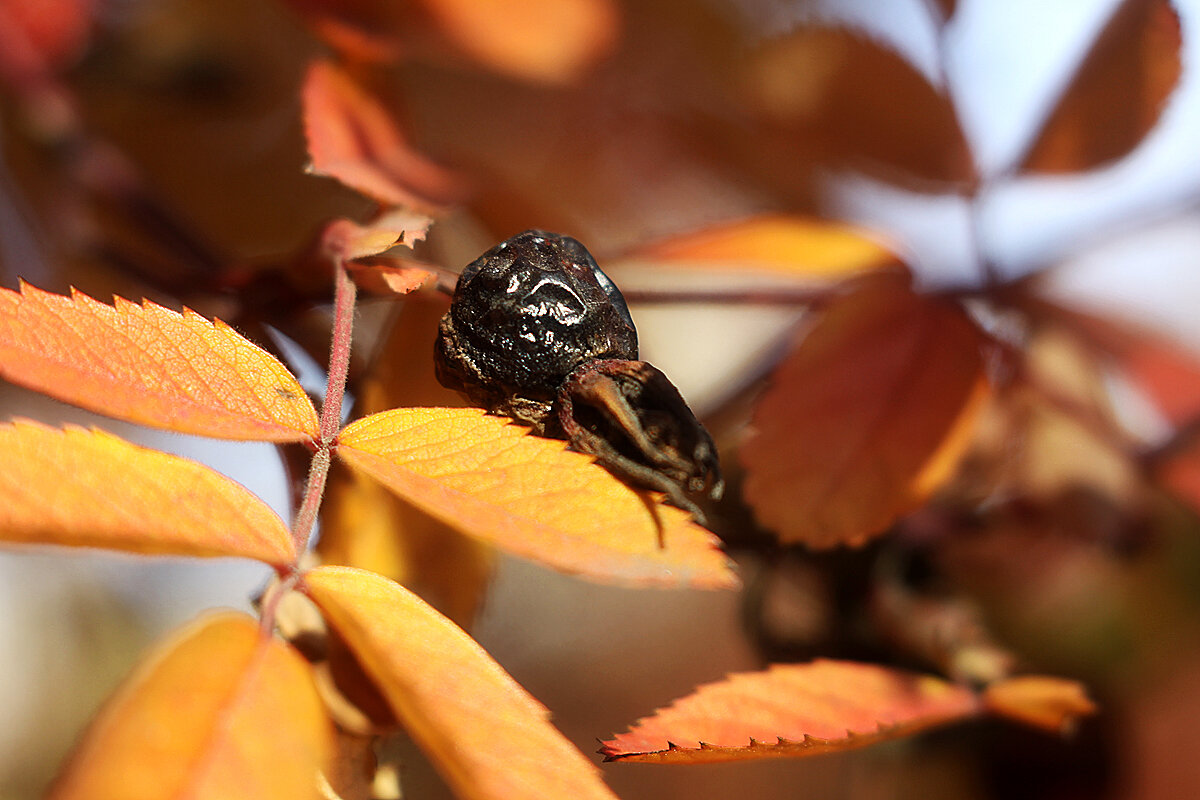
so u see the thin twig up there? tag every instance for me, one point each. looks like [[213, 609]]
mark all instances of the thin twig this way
[[331, 409]]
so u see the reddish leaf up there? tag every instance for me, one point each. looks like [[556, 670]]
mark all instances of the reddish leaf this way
[[792, 245], [1180, 471], [1053, 704], [790, 711], [218, 711], [866, 418], [1117, 95], [38, 37], [148, 364], [852, 99], [489, 739], [530, 496], [91, 489], [354, 138]]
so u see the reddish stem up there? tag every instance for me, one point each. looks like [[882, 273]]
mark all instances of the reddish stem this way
[[331, 409]]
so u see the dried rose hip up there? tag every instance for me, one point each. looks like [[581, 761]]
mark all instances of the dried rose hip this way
[[539, 333]]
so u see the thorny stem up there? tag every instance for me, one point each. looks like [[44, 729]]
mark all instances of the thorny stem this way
[[331, 409]]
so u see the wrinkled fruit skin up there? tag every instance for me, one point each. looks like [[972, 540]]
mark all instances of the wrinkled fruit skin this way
[[664, 438], [525, 315], [537, 332]]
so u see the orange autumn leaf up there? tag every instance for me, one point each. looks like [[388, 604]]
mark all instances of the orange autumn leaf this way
[[528, 495], [92, 489], [353, 138], [790, 711], [397, 276], [853, 99], [218, 711], [486, 735], [1118, 94], [546, 41], [541, 40], [150, 365], [866, 417], [1052, 704], [793, 245]]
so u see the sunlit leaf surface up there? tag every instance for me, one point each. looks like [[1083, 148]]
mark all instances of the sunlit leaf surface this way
[[790, 711], [218, 711], [486, 735], [546, 41], [89, 488], [529, 496], [148, 364], [793, 245]]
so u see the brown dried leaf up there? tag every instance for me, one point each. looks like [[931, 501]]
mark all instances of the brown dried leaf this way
[[858, 101], [866, 417], [790, 711], [1118, 93]]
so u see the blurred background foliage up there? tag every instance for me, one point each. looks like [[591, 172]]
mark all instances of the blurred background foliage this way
[[157, 149]]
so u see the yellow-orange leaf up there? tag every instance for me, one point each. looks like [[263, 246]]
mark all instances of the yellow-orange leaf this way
[[487, 736], [530, 496], [543, 40], [150, 365], [867, 416], [1053, 704], [354, 138], [793, 245], [92, 489], [219, 711], [793, 710]]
